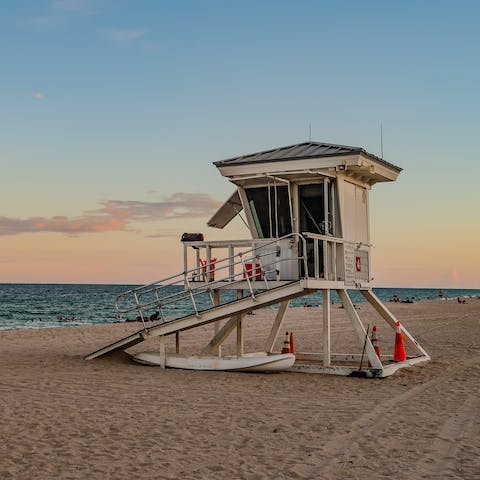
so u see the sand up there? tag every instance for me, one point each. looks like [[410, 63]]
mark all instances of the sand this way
[[66, 418]]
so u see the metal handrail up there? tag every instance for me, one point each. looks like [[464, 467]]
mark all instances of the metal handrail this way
[[196, 290], [207, 286], [333, 239]]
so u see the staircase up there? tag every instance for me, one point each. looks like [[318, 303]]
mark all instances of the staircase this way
[[264, 299], [200, 287]]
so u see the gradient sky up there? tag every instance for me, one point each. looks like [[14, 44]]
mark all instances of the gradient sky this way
[[112, 112]]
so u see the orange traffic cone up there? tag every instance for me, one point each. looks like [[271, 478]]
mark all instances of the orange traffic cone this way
[[292, 347], [399, 354], [286, 344], [374, 340]]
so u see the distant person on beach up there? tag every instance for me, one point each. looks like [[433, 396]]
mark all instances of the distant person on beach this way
[[461, 300], [440, 293], [396, 299]]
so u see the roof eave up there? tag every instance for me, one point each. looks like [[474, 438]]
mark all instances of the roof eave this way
[[360, 151]]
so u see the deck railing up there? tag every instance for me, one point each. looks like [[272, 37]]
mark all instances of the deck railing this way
[[260, 265], [338, 259]]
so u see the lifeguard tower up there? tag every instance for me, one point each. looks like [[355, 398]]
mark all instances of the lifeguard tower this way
[[307, 209]]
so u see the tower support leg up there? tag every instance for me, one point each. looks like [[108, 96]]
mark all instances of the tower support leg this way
[[326, 327], [277, 324], [216, 325], [177, 342], [358, 326], [162, 350], [388, 316], [240, 338], [221, 336]]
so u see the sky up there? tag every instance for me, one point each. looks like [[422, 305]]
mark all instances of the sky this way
[[112, 112]]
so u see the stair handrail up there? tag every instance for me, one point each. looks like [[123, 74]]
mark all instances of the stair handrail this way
[[206, 287]]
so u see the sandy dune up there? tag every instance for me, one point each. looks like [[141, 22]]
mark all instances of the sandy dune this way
[[65, 418]]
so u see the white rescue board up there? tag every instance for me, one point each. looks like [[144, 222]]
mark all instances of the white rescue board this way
[[257, 362]]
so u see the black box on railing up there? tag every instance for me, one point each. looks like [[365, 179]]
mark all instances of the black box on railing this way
[[192, 237]]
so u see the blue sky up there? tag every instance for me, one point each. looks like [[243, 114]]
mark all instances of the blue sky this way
[[108, 100]]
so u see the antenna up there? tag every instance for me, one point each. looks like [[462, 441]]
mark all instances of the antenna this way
[[309, 132], [381, 141]]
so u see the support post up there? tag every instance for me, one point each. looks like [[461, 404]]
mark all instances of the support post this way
[[216, 325], [231, 260], [239, 328], [362, 334], [221, 336], [185, 258], [239, 336], [388, 316], [277, 324], [162, 350], [198, 272], [326, 327], [177, 342]]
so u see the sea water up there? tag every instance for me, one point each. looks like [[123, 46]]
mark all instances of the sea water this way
[[54, 305]]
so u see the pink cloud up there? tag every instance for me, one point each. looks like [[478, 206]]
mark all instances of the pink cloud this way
[[115, 215]]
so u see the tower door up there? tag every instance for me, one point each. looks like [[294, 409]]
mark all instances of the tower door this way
[[312, 220], [317, 214]]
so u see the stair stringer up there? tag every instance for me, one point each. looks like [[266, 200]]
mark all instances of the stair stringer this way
[[237, 307]]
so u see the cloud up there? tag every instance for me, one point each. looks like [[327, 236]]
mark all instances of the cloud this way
[[123, 35], [178, 205], [162, 235], [115, 215], [60, 14], [38, 95]]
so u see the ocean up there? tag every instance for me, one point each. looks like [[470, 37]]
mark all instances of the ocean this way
[[56, 305]]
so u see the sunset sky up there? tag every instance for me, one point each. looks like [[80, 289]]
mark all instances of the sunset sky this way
[[113, 111]]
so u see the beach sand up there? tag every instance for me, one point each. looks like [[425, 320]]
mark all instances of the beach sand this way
[[66, 418]]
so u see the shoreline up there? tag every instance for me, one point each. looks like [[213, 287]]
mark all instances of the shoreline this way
[[64, 323]]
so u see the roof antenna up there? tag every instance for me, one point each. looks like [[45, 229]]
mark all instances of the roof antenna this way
[[309, 132], [381, 141]]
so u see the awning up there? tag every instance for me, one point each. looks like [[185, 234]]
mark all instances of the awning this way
[[227, 212]]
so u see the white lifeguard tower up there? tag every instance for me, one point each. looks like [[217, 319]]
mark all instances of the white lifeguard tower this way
[[307, 209]]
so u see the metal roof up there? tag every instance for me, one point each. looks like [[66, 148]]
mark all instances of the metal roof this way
[[298, 152]]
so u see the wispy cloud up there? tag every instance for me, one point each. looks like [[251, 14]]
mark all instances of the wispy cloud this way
[[122, 35], [38, 95], [60, 14], [115, 215], [163, 235]]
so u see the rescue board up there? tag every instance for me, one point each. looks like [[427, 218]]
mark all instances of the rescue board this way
[[257, 362]]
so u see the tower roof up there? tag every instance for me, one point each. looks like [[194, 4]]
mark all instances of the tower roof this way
[[300, 151]]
